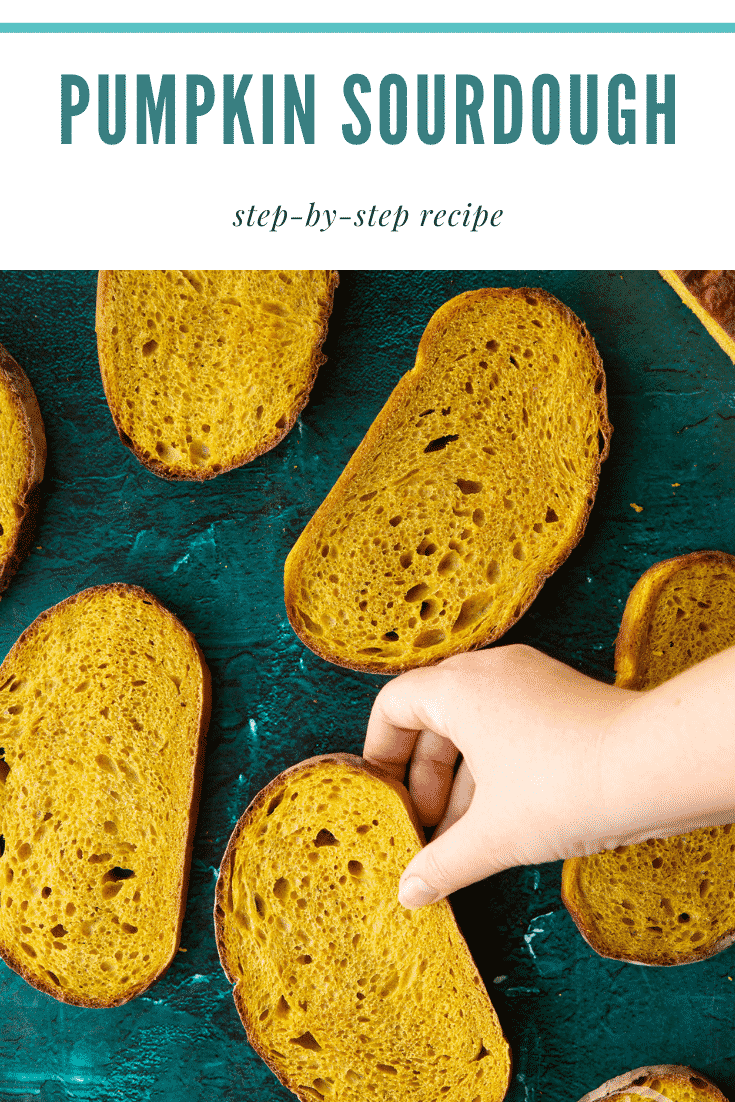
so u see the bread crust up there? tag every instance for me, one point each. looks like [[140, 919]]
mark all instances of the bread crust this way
[[673, 1073], [18, 386], [264, 796], [639, 609], [630, 651], [331, 503], [716, 289], [569, 889], [174, 474], [14, 962]]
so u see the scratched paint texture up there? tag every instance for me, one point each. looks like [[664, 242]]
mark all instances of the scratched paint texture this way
[[214, 554]]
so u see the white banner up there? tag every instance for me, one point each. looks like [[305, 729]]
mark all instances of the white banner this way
[[377, 148]]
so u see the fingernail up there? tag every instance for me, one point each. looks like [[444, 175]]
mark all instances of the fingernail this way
[[414, 893]]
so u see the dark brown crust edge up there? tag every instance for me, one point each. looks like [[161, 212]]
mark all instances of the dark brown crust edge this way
[[631, 638], [24, 399], [569, 877], [362, 765], [197, 773], [722, 282], [630, 642], [375, 431], [675, 1073], [172, 474], [710, 295]]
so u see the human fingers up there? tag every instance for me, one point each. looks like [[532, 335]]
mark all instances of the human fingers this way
[[460, 799], [431, 775], [405, 706], [458, 857]]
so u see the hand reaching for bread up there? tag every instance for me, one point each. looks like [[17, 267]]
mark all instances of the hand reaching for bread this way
[[554, 764], [526, 790]]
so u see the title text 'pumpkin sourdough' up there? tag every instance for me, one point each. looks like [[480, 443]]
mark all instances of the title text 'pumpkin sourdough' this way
[[104, 706], [205, 370], [22, 462], [344, 993], [471, 487], [668, 900]]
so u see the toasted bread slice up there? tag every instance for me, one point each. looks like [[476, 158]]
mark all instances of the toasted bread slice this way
[[206, 370], [662, 1083], [104, 705], [471, 487], [679, 612], [22, 462], [668, 900], [344, 993], [711, 295]]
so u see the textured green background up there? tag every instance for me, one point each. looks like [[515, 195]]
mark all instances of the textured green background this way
[[214, 554]]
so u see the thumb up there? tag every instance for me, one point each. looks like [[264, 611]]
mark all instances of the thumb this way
[[458, 857]]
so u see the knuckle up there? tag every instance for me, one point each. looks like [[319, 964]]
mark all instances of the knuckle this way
[[512, 658], [516, 652]]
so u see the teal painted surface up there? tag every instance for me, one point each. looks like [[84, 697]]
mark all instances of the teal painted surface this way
[[214, 554]]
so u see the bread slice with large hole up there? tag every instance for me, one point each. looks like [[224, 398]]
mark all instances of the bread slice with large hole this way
[[344, 993], [661, 1082], [104, 706], [205, 370], [22, 462], [470, 488], [668, 900]]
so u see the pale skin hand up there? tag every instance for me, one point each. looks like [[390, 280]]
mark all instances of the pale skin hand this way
[[554, 764]]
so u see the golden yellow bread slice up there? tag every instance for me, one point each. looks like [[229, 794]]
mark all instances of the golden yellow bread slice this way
[[670, 900], [470, 488], [205, 370], [711, 295], [104, 706], [22, 462], [662, 1083], [344, 993]]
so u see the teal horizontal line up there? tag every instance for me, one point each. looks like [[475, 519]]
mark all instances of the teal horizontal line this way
[[367, 28]]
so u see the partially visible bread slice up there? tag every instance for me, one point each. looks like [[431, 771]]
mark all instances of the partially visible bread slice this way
[[104, 706], [205, 370], [666, 901], [662, 1082], [471, 487], [344, 993], [22, 462], [711, 295], [679, 612]]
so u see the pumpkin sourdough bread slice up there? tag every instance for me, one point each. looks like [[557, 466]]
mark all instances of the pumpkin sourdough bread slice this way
[[104, 705], [668, 900], [206, 370], [344, 993], [22, 462], [711, 295], [662, 1082], [471, 487]]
